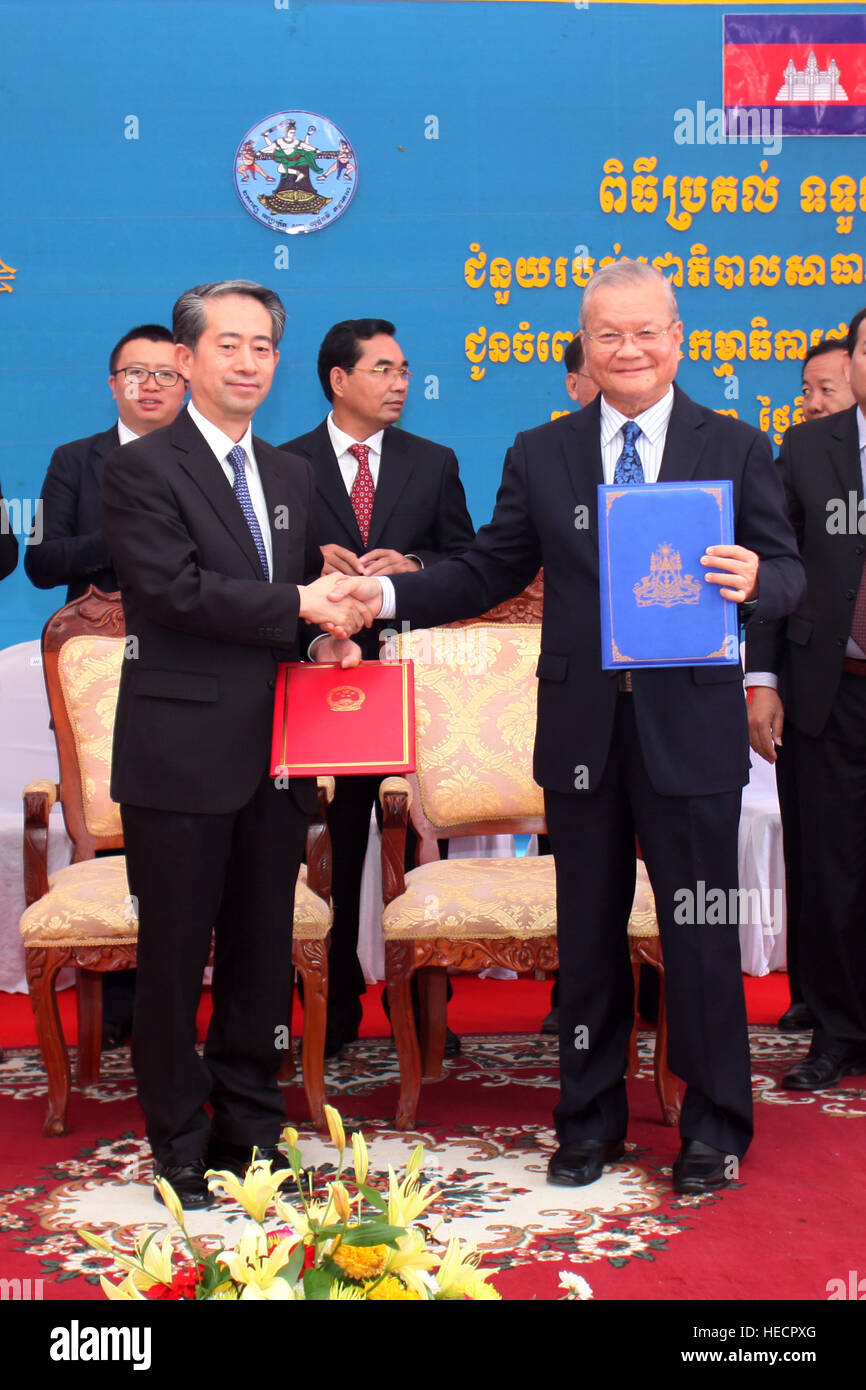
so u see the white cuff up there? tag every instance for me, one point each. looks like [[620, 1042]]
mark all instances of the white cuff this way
[[762, 678], [389, 598]]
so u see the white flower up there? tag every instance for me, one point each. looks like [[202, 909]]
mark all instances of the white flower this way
[[575, 1286]]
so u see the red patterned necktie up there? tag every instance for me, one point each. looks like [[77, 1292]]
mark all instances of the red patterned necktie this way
[[363, 492]]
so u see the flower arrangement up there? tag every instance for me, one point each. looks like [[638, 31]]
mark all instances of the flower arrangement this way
[[354, 1242]]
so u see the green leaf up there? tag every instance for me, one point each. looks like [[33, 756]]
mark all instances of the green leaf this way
[[317, 1285], [291, 1271], [373, 1197], [374, 1233]]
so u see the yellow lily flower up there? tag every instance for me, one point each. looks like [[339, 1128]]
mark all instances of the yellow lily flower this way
[[256, 1192], [256, 1268], [154, 1266], [458, 1275], [171, 1199], [335, 1127], [412, 1261], [323, 1213], [290, 1137], [125, 1291], [360, 1157], [340, 1198], [407, 1200]]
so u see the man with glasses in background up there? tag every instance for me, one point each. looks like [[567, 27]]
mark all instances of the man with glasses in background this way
[[149, 392], [389, 503]]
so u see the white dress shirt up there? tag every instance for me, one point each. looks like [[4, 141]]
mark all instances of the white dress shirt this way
[[222, 445], [347, 462], [125, 434]]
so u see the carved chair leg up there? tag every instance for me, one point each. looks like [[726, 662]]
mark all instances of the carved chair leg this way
[[43, 964], [88, 988], [667, 1086], [314, 971], [432, 992], [286, 1073], [399, 969], [632, 1065]]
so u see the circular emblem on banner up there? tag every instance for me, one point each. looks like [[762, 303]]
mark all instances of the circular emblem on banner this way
[[295, 172]]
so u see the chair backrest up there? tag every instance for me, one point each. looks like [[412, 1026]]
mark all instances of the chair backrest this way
[[475, 711], [82, 652]]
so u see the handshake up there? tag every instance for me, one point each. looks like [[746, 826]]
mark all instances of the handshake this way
[[341, 606]]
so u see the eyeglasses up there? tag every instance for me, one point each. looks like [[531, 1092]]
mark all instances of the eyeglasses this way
[[609, 341], [139, 376], [386, 373]]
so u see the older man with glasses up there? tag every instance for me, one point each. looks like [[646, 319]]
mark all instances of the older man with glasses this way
[[661, 753]]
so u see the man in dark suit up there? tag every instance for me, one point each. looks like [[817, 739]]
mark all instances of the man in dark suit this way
[[661, 753], [389, 502], [808, 710], [148, 391], [211, 536]]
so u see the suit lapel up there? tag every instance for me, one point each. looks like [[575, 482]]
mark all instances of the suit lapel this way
[[103, 445], [268, 463], [844, 450], [395, 469], [685, 441], [330, 485], [197, 458], [581, 455]]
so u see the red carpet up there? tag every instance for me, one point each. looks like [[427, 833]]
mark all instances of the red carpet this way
[[478, 1006], [793, 1221]]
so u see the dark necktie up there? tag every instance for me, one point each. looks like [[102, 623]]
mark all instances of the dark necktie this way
[[363, 492], [238, 460], [628, 466]]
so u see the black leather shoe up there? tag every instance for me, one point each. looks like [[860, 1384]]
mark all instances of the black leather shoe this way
[[797, 1019], [452, 1044], [188, 1181], [550, 1024], [116, 1034], [700, 1168], [819, 1070], [582, 1161]]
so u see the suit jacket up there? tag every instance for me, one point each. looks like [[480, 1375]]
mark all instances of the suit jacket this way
[[419, 509], [195, 708], [691, 720], [72, 550], [8, 542], [820, 468]]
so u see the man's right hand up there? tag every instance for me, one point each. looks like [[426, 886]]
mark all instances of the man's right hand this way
[[342, 618], [339, 560], [766, 721], [365, 591]]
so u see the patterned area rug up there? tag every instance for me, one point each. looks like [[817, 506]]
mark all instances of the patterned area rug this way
[[487, 1137]]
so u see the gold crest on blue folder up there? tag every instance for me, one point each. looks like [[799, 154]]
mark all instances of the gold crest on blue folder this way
[[656, 607]]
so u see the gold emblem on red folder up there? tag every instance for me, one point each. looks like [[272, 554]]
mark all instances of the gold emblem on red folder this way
[[666, 584], [342, 699]]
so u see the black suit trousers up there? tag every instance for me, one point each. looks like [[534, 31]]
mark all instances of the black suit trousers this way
[[685, 840], [233, 876]]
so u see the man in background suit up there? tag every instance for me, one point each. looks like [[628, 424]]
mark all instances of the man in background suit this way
[[661, 753], [826, 379], [389, 502], [148, 391], [808, 710], [212, 539]]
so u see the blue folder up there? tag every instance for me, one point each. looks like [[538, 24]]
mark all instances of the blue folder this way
[[656, 607]]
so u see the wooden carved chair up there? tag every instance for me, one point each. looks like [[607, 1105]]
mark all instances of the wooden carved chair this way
[[475, 704], [83, 915]]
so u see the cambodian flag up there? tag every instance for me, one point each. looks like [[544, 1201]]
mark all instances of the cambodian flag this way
[[811, 67]]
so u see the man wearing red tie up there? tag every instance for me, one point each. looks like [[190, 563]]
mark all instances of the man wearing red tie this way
[[389, 502]]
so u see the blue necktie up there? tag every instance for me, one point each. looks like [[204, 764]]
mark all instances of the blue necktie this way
[[238, 460], [628, 466]]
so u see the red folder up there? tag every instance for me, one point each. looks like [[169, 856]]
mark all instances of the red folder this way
[[327, 720]]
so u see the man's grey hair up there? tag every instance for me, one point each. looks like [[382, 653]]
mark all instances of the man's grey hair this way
[[622, 275], [189, 316]]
